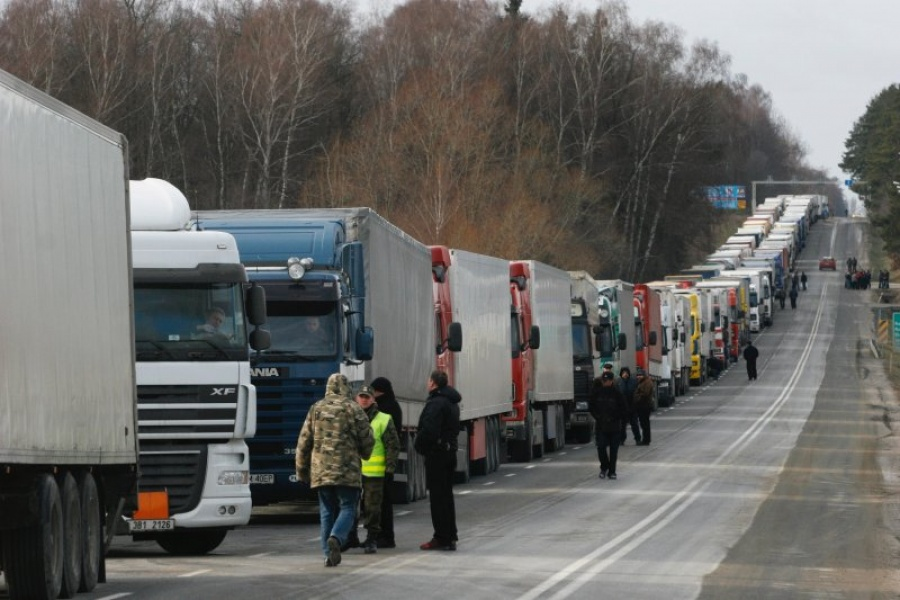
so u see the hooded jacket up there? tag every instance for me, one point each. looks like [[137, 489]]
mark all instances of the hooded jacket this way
[[387, 402], [439, 422], [334, 439]]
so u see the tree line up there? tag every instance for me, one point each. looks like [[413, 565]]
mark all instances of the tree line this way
[[582, 139], [872, 157]]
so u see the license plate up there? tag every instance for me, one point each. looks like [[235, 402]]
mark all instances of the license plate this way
[[268, 478], [581, 418], [152, 525]]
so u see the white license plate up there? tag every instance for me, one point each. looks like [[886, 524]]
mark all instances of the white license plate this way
[[581, 418], [152, 525], [262, 478]]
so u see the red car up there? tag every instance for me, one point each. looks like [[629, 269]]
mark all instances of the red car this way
[[827, 262]]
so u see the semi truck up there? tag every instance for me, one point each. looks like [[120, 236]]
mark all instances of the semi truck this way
[[68, 436], [586, 352], [472, 325], [196, 404], [542, 359], [617, 329], [336, 280]]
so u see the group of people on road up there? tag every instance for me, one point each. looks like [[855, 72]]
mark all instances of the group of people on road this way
[[615, 405], [348, 449]]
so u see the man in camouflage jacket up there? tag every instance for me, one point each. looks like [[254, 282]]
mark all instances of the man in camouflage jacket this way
[[334, 439]]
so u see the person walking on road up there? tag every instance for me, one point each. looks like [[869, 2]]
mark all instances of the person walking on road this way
[[334, 440], [779, 293], [644, 403], [387, 403], [607, 406], [627, 385], [750, 355], [437, 442], [803, 280], [383, 461], [793, 297]]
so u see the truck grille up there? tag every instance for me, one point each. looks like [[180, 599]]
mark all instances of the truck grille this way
[[186, 412], [281, 408], [179, 469], [582, 385]]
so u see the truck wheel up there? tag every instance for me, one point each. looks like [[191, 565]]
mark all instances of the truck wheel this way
[[192, 542], [33, 555], [91, 532], [72, 541], [495, 446], [583, 435], [523, 450]]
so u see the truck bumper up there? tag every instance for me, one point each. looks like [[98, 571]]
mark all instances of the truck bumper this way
[[224, 502], [516, 431]]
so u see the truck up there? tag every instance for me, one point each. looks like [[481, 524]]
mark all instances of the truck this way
[[336, 279], [675, 322], [196, 403], [617, 331], [472, 325], [542, 359], [68, 436], [586, 352], [647, 302]]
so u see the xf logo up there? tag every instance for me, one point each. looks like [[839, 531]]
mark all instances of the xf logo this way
[[225, 391]]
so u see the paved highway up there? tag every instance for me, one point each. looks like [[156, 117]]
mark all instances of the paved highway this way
[[784, 487]]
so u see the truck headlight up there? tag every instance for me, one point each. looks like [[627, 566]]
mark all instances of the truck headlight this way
[[581, 405], [234, 477]]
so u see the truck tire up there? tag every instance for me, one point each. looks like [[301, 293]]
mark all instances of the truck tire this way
[[32, 555], [72, 540], [192, 542], [493, 445], [523, 450], [91, 532]]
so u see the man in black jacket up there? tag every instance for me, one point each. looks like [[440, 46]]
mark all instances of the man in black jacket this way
[[750, 355], [436, 440], [387, 403], [607, 406]]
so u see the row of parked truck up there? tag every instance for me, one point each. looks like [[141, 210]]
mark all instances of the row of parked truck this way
[[141, 395]]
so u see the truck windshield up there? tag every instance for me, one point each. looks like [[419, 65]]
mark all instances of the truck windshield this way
[[189, 322], [581, 340], [303, 329]]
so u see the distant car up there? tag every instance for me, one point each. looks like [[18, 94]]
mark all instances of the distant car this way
[[827, 262]]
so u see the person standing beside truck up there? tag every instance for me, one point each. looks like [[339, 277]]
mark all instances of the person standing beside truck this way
[[387, 403], [334, 440], [381, 462], [437, 442], [607, 406], [627, 385], [644, 403]]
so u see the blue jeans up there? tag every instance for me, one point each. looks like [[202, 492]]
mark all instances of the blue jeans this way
[[337, 512]]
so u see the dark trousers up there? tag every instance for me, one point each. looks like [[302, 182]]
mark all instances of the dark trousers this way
[[372, 499], [387, 510], [751, 369], [632, 420], [607, 450], [643, 415], [439, 471]]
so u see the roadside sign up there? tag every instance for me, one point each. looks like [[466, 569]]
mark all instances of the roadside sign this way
[[896, 330], [848, 182]]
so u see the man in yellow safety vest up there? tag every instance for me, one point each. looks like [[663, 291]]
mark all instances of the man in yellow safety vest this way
[[382, 461]]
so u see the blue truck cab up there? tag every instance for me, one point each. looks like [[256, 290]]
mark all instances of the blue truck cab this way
[[315, 297]]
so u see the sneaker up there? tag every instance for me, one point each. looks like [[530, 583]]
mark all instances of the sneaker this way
[[436, 544], [370, 546], [613, 476], [334, 552]]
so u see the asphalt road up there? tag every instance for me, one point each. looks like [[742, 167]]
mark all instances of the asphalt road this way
[[783, 487]]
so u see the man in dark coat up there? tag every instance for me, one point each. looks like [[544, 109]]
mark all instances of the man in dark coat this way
[[607, 406], [436, 440], [387, 403], [750, 355]]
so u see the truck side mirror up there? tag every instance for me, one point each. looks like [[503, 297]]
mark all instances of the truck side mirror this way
[[623, 342], [365, 343], [652, 340], [256, 305], [260, 339], [454, 337], [534, 340]]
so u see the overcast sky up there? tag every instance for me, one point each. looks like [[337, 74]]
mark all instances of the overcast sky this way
[[821, 61]]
